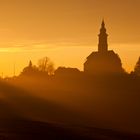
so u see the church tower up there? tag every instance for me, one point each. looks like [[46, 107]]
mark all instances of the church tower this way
[[103, 61], [103, 45]]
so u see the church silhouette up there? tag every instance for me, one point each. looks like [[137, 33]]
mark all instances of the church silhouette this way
[[103, 61]]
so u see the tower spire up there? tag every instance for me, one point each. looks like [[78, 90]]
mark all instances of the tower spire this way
[[103, 23], [103, 45]]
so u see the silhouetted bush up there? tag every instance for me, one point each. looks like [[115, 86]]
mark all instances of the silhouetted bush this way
[[137, 68]]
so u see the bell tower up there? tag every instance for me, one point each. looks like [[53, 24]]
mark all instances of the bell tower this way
[[103, 45]]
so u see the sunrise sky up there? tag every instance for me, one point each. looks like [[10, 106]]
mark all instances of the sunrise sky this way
[[66, 31]]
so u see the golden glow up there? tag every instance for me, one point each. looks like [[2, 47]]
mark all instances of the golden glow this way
[[65, 31], [19, 57]]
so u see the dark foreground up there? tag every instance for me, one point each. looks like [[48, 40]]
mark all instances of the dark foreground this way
[[29, 130], [110, 103]]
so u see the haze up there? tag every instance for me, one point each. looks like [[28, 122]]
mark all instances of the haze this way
[[66, 31]]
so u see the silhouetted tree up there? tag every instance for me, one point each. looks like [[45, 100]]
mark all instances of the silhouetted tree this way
[[46, 65], [137, 68]]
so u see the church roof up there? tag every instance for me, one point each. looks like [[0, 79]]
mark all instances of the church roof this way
[[94, 54]]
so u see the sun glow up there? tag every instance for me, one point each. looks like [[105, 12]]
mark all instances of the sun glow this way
[[68, 55]]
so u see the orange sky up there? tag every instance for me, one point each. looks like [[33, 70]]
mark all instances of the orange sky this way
[[66, 31]]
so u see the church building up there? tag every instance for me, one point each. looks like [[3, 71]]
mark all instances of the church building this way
[[103, 61]]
